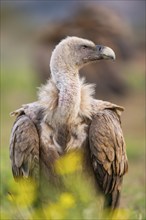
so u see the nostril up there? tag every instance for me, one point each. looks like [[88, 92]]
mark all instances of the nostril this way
[[100, 48]]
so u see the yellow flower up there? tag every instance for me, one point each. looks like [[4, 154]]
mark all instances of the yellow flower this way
[[68, 163], [67, 200], [23, 193], [54, 211], [119, 214], [59, 210]]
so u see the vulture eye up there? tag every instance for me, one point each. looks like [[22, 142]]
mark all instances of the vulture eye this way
[[85, 46]]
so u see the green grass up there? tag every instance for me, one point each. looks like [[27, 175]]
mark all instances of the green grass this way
[[136, 81], [134, 75], [135, 148]]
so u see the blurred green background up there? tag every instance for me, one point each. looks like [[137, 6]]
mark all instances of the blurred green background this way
[[29, 31]]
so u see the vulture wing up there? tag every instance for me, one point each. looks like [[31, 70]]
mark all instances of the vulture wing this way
[[24, 148], [108, 154]]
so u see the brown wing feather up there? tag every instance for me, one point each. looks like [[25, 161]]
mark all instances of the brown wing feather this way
[[24, 148], [108, 153]]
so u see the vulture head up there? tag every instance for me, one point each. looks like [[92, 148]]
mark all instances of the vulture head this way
[[74, 52]]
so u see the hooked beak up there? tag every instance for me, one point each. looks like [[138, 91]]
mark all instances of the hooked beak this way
[[104, 52]]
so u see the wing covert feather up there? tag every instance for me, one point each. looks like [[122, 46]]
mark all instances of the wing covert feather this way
[[24, 148], [108, 150]]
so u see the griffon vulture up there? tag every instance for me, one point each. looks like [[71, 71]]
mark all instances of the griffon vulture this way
[[66, 117]]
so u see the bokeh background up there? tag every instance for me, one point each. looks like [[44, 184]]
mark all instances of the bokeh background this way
[[29, 32]]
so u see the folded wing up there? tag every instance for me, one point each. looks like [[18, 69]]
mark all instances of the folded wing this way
[[24, 148], [108, 154]]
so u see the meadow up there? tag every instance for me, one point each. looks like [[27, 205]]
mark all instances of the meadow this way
[[18, 86]]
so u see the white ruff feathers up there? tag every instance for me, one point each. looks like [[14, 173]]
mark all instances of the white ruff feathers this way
[[48, 98]]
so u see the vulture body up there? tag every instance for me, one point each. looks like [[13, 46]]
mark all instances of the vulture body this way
[[66, 117]]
